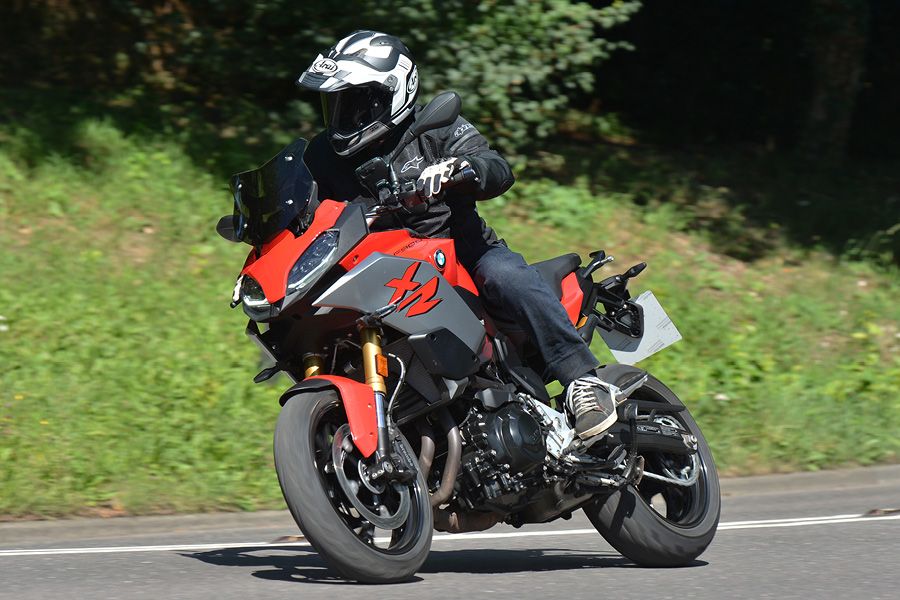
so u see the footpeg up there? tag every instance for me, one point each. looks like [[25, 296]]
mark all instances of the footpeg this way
[[621, 394], [580, 446]]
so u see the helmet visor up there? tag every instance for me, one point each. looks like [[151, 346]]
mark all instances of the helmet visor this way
[[350, 111]]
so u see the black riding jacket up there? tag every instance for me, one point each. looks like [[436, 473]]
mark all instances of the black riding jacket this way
[[455, 215]]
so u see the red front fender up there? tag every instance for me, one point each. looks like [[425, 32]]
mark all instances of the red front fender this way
[[359, 403]]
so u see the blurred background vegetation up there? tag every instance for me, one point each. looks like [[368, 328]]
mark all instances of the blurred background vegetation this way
[[747, 150]]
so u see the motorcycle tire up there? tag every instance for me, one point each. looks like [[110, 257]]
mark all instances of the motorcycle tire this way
[[306, 490], [626, 518]]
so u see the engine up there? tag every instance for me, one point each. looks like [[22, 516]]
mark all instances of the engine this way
[[503, 457]]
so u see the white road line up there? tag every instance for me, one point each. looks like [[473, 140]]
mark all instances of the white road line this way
[[166, 548], [827, 521], [793, 520], [761, 524]]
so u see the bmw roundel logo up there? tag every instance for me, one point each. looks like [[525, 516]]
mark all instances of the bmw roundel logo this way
[[440, 259]]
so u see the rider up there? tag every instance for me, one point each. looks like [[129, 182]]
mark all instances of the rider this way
[[369, 84]]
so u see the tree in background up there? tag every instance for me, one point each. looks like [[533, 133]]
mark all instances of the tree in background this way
[[838, 32], [805, 76], [518, 64], [821, 77], [521, 65]]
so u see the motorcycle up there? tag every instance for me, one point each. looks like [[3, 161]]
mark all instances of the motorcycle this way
[[414, 407]]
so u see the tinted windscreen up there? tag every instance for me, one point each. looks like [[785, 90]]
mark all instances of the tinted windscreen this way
[[267, 199]]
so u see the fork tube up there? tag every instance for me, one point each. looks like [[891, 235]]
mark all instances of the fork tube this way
[[312, 365], [371, 349]]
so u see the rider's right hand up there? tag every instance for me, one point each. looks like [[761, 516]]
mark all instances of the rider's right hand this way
[[435, 177]]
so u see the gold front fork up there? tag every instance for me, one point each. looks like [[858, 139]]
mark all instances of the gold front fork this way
[[375, 367], [371, 351], [312, 365]]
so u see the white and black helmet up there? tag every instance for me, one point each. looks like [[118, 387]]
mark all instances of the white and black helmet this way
[[369, 84]]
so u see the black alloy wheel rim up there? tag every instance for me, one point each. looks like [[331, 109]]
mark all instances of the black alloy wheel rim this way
[[403, 538]]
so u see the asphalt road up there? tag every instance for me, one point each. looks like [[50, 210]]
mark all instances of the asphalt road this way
[[819, 546]]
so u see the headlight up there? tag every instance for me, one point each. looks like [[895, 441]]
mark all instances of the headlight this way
[[317, 259], [252, 294]]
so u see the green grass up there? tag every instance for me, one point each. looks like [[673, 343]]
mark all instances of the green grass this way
[[126, 379]]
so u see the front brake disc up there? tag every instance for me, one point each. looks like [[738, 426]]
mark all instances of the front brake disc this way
[[383, 519]]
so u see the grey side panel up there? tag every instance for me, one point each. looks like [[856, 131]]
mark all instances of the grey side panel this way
[[353, 228], [365, 289]]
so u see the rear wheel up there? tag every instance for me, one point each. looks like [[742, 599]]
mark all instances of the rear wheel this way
[[669, 520], [370, 531]]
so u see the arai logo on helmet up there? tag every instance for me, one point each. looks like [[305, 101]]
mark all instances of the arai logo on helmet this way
[[413, 81], [326, 65]]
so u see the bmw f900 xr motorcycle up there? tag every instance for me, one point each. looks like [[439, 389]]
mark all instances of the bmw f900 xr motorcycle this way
[[413, 408]]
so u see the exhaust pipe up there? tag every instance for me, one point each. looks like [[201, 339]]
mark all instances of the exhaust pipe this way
[[426, 454], [445, 519], [454, 458]]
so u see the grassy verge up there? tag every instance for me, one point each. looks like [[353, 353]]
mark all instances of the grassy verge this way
[[126, 380]]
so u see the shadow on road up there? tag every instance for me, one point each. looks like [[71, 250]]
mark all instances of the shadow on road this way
[[289, 563], [506, 560]]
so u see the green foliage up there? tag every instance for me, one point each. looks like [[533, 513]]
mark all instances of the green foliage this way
[[518, 65], [127, 380], [745, 204]]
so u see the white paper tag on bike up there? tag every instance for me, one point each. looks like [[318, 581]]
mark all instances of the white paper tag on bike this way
[[659, 332]]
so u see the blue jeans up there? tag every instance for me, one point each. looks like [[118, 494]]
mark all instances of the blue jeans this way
[[507, 282]]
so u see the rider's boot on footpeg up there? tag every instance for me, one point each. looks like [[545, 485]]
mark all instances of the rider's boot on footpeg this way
[[592, 402]]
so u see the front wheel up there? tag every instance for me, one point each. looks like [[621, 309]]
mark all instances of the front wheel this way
[[666, 521], [369, 531]]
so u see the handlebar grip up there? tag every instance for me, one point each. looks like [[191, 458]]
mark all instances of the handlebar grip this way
[[409, 195], [466, 174]]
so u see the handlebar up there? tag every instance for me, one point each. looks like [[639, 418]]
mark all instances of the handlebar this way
[[406, 196], [409, 195], [465, 175]]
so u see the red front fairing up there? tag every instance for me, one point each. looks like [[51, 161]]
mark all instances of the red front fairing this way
[[276, 258], [272, 266]]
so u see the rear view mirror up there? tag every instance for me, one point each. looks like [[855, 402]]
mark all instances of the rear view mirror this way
[[225, 228], [440, 112], [634, 271]]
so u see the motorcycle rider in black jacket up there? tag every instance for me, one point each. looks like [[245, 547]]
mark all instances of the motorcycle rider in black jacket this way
[[369, 84]]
